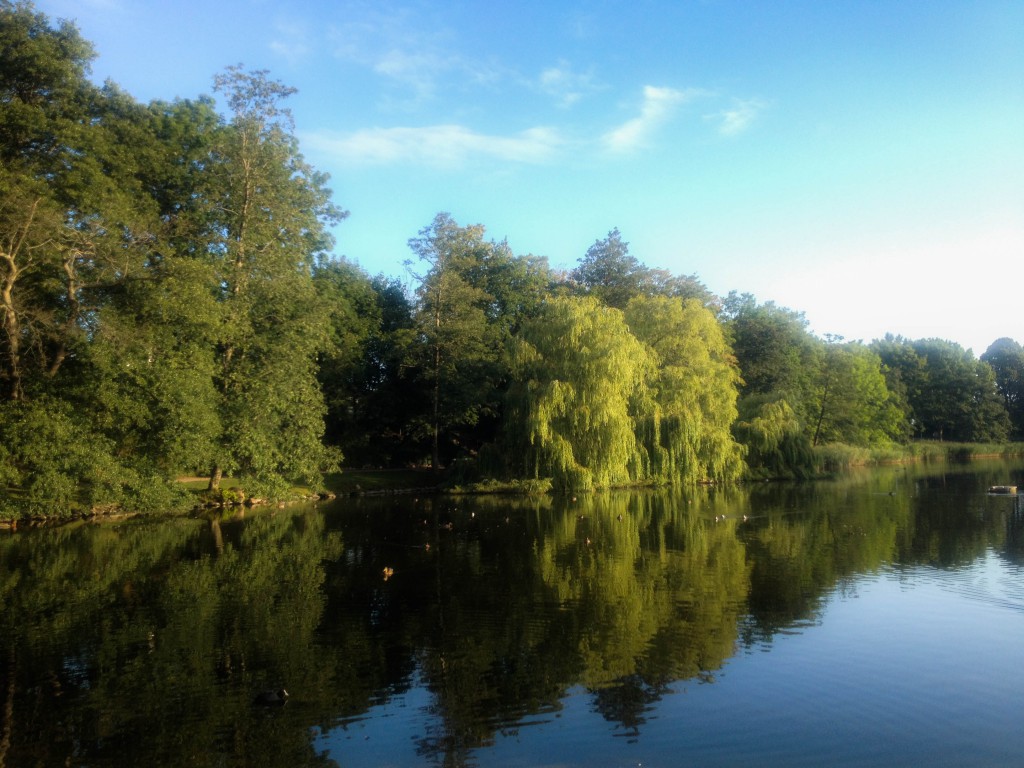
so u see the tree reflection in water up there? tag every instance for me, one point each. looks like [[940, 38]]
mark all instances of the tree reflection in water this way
[[144, 642]]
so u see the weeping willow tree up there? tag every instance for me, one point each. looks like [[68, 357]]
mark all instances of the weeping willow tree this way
[[580, 385], [687, 434], [775, 439]]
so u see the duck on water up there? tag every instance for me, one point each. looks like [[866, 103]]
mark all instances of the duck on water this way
[[271, 698]]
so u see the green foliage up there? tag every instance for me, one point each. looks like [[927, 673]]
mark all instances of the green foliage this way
[[53, 463], [1006, 357], [777, 446], [611, 274], [169, 306], [776, 353], [687, 433], [156, 280], [579, 382], [951, 395], [473, 295], [272, 215], [854, 404]]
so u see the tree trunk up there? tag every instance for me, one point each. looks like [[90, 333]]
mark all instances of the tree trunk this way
[[821, 414], [215, 476], [11, 325]]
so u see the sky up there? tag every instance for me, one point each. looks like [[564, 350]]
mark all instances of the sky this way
[[860, 161]]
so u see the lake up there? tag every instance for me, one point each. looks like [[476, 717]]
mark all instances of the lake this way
[[873, 620]]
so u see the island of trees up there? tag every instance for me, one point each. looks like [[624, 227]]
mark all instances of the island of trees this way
[[170, 305]]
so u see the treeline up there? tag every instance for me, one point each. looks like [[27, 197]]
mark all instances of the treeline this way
[[170, 305]]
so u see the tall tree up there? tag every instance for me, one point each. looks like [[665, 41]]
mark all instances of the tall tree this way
[[580, 384], [687, 435], [855, 405], [953, 396], [1006, 357], [73, 223], [271, 211], [86, 317], [461, 340]]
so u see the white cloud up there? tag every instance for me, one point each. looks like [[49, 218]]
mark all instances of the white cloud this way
[[412, 49], [657, 108], [291, 41], [564, 85], [437, 145], [734, 121]]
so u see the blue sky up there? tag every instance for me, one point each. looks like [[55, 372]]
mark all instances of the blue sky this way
[[861, 161]]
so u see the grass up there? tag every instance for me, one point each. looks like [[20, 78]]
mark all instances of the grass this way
[[836, 456]]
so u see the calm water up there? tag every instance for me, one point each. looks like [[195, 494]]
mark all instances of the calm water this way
[[872, 621]]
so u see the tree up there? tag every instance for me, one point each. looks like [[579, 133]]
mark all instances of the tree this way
[[777, 445], [777, 355], [351, 302], [366, 374], [459, 327], [687, 436], [83, 282], [1006, 357], [953, 396], [73, 224], [854, 403], [611, 274], [779, 361], [579, 386], [269, 214]]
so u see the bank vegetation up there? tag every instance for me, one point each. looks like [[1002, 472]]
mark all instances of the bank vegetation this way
[[171, 305]]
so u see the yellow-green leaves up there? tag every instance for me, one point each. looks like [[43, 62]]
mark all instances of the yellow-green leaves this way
[[579, 377], [603, 398], [695, 390]]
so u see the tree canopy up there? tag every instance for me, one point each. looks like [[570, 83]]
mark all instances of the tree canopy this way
[[171, 304]]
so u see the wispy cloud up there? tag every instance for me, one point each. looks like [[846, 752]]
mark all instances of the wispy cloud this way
[[565, 85], [738, 118], [291, 41], [413, 52], [657, 108], [437, 145]]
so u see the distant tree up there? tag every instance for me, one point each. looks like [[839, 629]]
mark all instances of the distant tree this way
[[1006, 357], [459, 347], [855, 405], [355, 318], [611, 274], [953, 396], [905, 375], [778, 357]]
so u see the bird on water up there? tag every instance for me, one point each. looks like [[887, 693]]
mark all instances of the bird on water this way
[[271, 698]]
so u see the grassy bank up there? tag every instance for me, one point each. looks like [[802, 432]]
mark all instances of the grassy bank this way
[[836, 457]]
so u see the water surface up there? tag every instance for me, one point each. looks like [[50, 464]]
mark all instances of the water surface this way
[[874, 620]]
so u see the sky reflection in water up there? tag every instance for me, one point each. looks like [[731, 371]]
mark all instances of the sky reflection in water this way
[[876, 620]]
